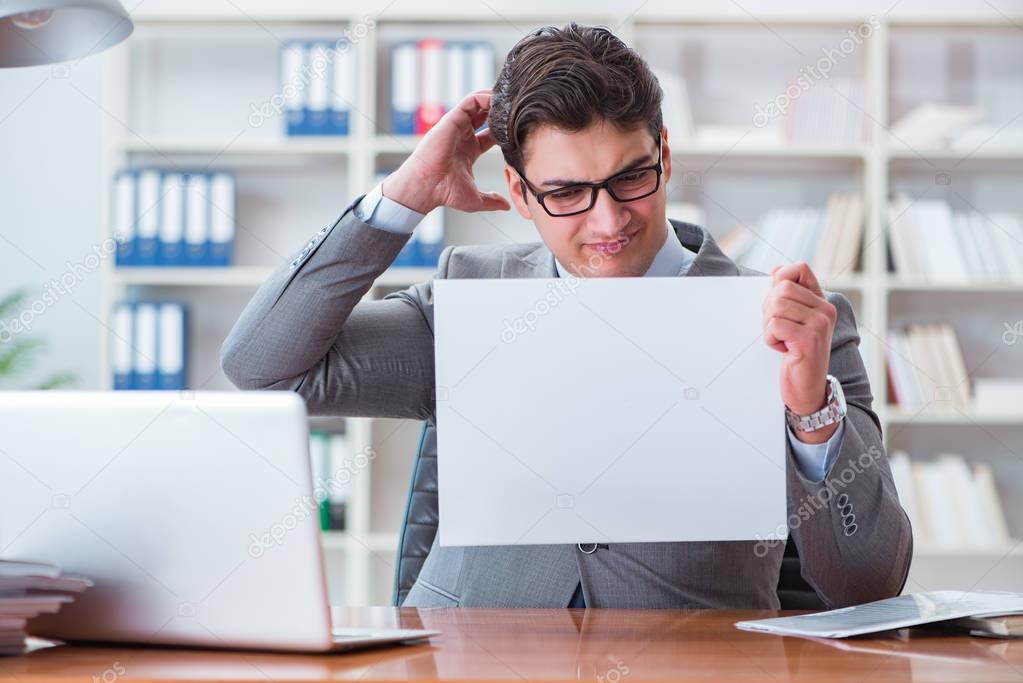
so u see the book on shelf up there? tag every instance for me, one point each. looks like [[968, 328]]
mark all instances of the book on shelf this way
[[432, 71], [1006, 136], [341, 455], [174, 218], [427, 241], [149, 345], [932, 124], [676, 112], [819, 115], [28, 589], [831, 113], [829, 240], [926, 367], [333, 465], [952, 505], [430, 76], [728, 135], [931, 243], [997, 395], [317, 80], [320, 467]]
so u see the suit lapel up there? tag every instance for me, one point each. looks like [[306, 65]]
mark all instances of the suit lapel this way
[[538, 261], [709, 260]]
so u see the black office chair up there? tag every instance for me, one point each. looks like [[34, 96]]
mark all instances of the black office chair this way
[[420, 527]]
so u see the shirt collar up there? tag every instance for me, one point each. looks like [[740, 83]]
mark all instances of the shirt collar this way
[[671, 260]]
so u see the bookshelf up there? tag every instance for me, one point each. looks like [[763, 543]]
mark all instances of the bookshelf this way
[[185, 55]]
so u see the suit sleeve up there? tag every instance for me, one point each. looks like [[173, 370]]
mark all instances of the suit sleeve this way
[[308, 329], [854, 539]]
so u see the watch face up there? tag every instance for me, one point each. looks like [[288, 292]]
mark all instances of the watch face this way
[[839, 396]]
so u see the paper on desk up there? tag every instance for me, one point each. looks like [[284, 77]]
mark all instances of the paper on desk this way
[[607, 410], [902, 611]]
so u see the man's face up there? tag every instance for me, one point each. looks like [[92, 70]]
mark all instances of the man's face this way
[[613, 239]]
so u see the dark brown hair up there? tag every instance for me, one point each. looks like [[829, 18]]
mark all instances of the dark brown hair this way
[[569, 78]]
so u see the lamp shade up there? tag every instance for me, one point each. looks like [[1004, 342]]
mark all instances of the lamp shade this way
[[34, 32]]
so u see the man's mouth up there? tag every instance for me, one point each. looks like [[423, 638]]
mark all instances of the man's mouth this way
[[612, 247]]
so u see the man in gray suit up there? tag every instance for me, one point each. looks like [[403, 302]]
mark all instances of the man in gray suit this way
[[577, 116]]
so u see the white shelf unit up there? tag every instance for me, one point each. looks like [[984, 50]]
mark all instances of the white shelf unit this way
[[178, 94]]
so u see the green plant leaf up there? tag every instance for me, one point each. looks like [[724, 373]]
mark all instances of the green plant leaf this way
[[12, 301], [16, 356], [18, 353], [64, 379]]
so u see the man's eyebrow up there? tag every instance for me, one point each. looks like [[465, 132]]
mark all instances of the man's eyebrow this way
[[561, 182]]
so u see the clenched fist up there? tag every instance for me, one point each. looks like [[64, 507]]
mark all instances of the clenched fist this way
[[799, 321]]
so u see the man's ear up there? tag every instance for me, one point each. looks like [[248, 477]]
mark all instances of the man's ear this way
[[666, 154], [515, 190]]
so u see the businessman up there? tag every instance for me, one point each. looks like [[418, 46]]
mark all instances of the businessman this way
[[577, 116]]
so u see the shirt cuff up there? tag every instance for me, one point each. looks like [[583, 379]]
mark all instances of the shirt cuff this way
[[378, 211], [814, 460]]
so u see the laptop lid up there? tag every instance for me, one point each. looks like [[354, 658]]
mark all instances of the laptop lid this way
[[193, 513]]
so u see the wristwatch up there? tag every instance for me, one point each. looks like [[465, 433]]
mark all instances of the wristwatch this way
[[833, 412]]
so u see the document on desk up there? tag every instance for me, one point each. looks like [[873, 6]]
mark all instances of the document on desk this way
[[607, 410], [902, 611]]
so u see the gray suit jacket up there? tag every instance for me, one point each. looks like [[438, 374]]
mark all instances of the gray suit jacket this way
[[307, 329]]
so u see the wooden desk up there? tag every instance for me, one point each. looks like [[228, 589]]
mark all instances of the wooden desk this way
[[606, 646]]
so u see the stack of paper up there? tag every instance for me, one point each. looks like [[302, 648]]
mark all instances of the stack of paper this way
[[1002, 626], [28, 589]]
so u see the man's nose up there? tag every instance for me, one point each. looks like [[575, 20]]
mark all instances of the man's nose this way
[[608, 217]]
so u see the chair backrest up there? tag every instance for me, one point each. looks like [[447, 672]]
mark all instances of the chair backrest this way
[[793, 590], [419, 528]]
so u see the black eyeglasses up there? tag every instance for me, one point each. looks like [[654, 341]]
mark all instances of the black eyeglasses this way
[[627, 186]]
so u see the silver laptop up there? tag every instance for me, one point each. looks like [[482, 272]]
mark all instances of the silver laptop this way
[[193, 512]]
